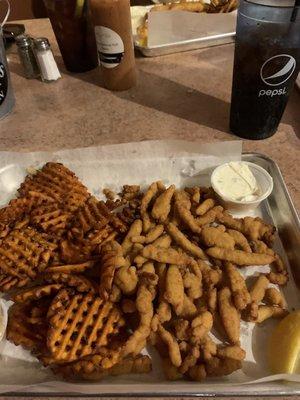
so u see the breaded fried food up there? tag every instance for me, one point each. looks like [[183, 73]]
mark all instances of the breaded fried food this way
[[162, 205], [230, 317], [258, 290], [204, 207], [239, 257], [174, 290], [210, 216], [197, 373], [280, 279], [241, 296], [146, 200], [240, 240], [193, 285], [212, 236], [168, 256], [184, 242], [274, 297], [222, 366], [265, 312], [201, 325], [183, 210], [112, 259], [173, 348], [134, 230], [137, 340], [79, 282], [126, 279], [233, 352]]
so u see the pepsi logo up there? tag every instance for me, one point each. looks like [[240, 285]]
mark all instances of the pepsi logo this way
[[278, 69]]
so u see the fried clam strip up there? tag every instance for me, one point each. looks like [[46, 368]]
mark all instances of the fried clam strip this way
[[257, 293], [233, 352], [200, 327], [112, 259], [162, 205], [212, 236], [265, 312], [173, 347], [230, 317], [239, 257], [134, 230], [240, 240], [93, 371], [274, 297], [183, 209], [137, 340], [204, 207], [210, 216], [184, 242], [169, 255], [174, 289], [241, 296], [145, 203], [252, 228]]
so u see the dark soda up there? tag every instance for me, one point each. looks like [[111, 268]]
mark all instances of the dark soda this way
[[265, 69]]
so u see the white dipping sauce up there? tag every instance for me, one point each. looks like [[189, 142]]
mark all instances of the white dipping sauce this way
[[235, 181]]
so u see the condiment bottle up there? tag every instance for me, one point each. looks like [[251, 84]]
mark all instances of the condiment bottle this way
[[112, 22], [27, 57], [46, 61]]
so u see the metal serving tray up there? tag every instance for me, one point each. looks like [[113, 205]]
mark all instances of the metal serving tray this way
[[279, 209], [186, 45]]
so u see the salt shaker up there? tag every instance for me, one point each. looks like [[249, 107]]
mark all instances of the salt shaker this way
[[46, 61], [27, 57]]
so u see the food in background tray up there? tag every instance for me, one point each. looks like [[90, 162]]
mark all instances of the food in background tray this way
[[103, 279], [215, 6]]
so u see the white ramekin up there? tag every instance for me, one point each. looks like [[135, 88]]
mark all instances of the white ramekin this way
[[264, 181]]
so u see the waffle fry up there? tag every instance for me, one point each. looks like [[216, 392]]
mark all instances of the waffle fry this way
[[80, 325], [80, 283], [70, 269], [51, 218], [36, 292], [52, 183], [24, 253]]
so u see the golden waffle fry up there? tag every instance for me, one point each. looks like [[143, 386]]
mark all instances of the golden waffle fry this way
[[21, 332], [9, 282], [80, 283], [36, 292], [91, 370], [92, 215], [80, 324], [52, 182], [50, 218], [71, 269], [24, 253]]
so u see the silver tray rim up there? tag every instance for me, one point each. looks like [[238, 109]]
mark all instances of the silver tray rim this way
[[255, 392]]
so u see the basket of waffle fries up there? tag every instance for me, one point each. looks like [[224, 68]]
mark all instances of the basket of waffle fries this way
[[96, 282], [167, 24]]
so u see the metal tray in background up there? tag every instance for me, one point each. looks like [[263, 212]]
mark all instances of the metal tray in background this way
[[280, 209], [186, 45]]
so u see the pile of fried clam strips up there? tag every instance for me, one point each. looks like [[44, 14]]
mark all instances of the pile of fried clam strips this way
[[95, 282]]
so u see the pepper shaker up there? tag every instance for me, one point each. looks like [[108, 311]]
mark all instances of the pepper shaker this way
[[46, 61], [27, 57]]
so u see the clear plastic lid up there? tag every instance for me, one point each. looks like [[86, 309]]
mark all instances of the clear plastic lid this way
[[280, 11]]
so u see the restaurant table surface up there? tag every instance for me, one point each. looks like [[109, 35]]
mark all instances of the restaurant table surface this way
[[179, 96]]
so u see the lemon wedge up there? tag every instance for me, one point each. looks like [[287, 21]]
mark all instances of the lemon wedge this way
[[284, 346]]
